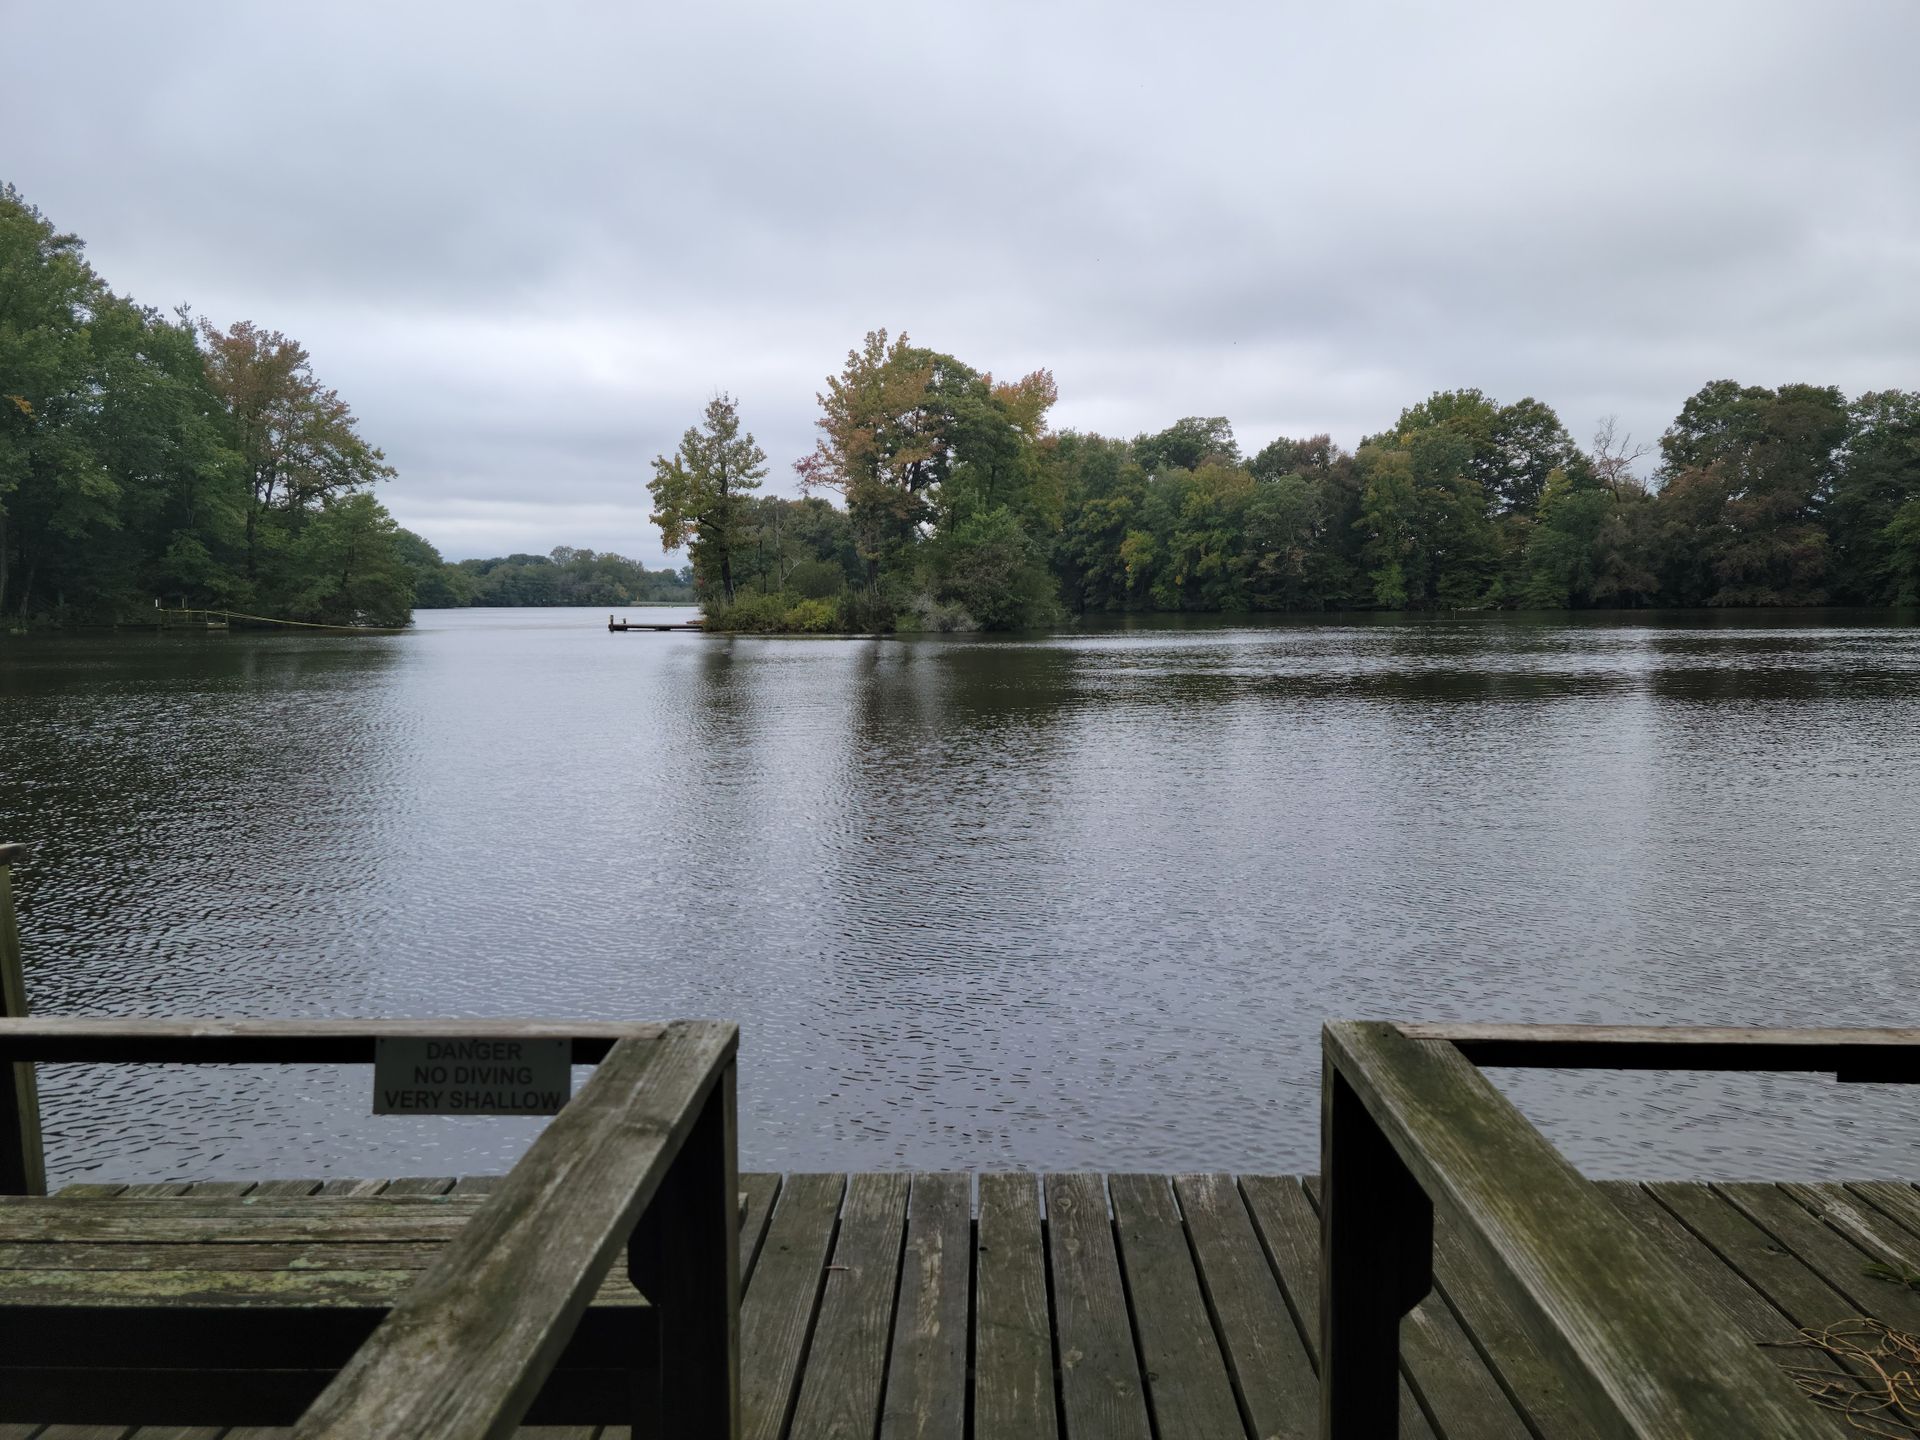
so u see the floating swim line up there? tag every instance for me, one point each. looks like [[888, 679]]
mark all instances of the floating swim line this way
[[298, 624]]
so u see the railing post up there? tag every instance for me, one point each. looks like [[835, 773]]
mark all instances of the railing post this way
[[685, 1258], [1376, 1257], [23, 1169]]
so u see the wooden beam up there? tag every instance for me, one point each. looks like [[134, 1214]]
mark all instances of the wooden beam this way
[[23, 1166], [685, 1258], [1376, 1250], [1648, 1355], [194, 1041], [465, 1350], [1881, 1055]]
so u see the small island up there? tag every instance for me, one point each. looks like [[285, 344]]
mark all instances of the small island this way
[[962, 510]]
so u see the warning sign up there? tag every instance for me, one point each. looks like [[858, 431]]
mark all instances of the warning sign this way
[[471, 1077]]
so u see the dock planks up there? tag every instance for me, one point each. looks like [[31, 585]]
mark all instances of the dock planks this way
[[1149, 1307]]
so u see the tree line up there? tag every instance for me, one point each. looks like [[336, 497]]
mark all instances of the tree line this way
[[964, 509], [147, 456], [565, 576]]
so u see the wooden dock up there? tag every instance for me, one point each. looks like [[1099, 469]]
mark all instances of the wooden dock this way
[[620, 625], [1148, 1307]]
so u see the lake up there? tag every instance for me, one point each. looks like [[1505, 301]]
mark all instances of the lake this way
[[977, 902]]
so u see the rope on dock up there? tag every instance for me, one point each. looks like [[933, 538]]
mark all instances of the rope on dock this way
[[1878, 1386]]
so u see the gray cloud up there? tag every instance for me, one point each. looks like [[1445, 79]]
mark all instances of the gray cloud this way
[[526, 243]]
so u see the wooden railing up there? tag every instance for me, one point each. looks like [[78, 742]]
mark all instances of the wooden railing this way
[[23, 1169], [1409, 1126], [644, 1158]]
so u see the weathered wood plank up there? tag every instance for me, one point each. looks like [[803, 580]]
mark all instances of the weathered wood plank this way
[[287, 1188], [1101, 1394], [761, 1191], [1290, 1231], [85, 1190], [1188, 1389], [1883, 1054], [1895, 1199], [231, 1257], [1533, 1383], [1266, 1356], [847, 1363], [776, 1319], [230, 1289], [213, 1041], [926, 1392], [1645, 1350], [1877, 1235], [1840, 1260], [418, 1185], [1013, 1382], [1718, 1258], [1712, 1256], [189, 1219], [453, 1362], [1446, 1369], [348, 1189]]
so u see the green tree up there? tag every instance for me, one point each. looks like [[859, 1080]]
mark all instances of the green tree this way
[[348, 565], [1315, 455], [1285, 532], [988, 565], [436, 584], [1388, 523], [1204, 563], [700, 491], [53, 485], [1903, 554], [1878, 476], [1748, 472], [1529, 444], [1187, 445]]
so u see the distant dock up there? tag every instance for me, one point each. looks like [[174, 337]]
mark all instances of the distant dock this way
[[613, 624]]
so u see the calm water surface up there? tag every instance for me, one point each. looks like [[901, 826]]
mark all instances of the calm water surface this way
[[1080, 901]]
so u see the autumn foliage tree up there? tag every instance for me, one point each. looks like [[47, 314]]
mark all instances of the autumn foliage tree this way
[[299, 444], [940, 470], [883, 444]]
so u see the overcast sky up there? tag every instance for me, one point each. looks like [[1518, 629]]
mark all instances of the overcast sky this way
[[527, 242]]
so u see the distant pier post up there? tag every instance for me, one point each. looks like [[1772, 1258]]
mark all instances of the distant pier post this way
[[23, 1168]]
